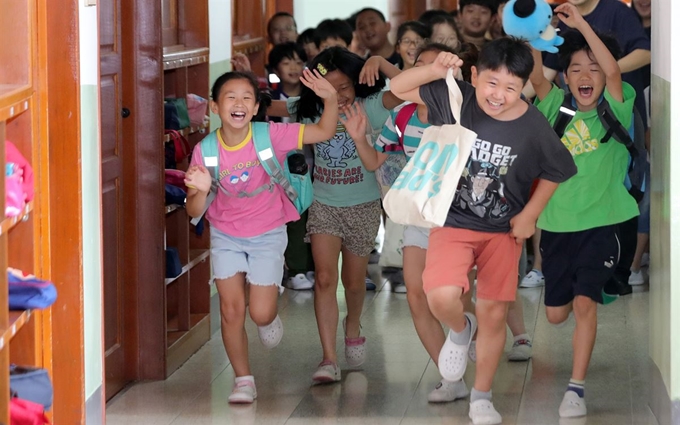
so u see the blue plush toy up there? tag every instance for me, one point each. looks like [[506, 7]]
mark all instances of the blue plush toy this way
[[530, 20]]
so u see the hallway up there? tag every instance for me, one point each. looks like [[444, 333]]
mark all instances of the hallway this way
[[393, 385]]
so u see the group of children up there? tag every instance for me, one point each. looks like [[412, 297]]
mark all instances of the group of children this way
[[519, 173]]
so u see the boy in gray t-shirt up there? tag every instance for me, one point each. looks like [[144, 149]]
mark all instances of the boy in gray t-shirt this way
[[491, 214]]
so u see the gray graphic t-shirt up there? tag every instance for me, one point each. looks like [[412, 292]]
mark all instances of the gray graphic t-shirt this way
[[505, 160]]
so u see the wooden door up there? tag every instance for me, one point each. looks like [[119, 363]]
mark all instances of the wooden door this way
[[113, 213]]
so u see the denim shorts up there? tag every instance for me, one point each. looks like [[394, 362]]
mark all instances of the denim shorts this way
[[416, 236], [259, 257]]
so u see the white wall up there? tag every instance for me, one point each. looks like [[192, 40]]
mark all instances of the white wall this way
[[220, 30], [308, 13]]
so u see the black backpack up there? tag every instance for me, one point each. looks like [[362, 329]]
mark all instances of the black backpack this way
[[636, 145]]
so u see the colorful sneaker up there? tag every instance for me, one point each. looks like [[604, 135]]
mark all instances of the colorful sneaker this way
[[326, 372], [244, 392], [355, 348], [533, 279], [453, 357], [520, 351], [572, 406], [636, 278], [447, 391], [482, 412], [271, 334], [299, 282]]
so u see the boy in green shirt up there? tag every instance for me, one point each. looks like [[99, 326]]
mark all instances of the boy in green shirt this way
[[579, 242]]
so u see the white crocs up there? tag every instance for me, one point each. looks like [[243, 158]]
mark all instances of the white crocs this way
[[326, 372], [355, 348], [446, 391], [482, 412], [472, 352], [453, 357], [572, 406], [271, 334]]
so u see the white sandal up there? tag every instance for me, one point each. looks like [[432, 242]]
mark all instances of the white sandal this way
[[453, 357]]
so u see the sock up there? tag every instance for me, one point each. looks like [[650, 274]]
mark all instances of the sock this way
[[523, 337], [479, 395], [250, 378], [464, 337], [577, 386]]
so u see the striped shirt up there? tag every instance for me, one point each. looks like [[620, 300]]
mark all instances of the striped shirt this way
[[388, 142]]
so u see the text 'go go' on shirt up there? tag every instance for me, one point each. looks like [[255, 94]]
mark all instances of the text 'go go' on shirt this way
[[240, 172]]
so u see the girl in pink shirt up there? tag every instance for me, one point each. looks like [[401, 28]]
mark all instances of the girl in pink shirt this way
[[249, 215]]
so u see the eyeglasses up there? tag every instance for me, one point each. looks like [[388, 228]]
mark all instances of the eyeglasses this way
[[415, 43]]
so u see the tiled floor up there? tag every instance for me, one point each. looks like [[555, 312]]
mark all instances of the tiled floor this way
[[393, 384]]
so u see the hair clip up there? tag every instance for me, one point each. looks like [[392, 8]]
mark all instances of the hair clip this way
[[322, 69]]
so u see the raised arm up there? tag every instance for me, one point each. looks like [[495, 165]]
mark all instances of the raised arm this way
[[568, 14], [406, 85], [540, 84], [355, 124], [325, 128]]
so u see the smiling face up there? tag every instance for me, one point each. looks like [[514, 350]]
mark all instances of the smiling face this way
[[408, 47], [585, 80], [289, 70], [343, 85], [372, 30], [237, 103], [475, 20], [643, 8], [498, 93], [282, 30], [443, 33]]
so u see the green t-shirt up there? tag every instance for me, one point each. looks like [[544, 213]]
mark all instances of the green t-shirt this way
[[340, 178], [596, 195]]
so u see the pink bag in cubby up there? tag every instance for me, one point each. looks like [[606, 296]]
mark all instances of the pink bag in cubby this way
[[198, 107], [18, 181]]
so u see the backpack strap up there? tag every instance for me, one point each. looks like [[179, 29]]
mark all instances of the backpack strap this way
[[566, 114], [402, 119], [614, 127], [211, 159], [267, 157]]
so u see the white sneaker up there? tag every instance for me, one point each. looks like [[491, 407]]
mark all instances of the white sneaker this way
[[447, 391], [520, 351], [271, 334], [636, 278], [244, 392], [327, 372], [299, 282], [399, 288], [533, 279], [482, 412], [311, 276], [572, 406]]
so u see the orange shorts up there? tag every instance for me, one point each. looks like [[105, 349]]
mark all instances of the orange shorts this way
[[453, 252]]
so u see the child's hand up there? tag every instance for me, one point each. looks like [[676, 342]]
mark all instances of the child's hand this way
[[240, 62], [522, 227], [569, 14], [354, 121], [319, 85], [198, 177], [370, 73], [444, 62]]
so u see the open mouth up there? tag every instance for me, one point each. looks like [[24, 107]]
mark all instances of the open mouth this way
[[494, 105], [238, 116], [585, 90]]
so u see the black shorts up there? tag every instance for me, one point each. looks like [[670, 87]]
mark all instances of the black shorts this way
[[578, 263]]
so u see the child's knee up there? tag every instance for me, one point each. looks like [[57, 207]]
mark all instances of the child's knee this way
[[441, 300], [262, 316], [325, 279], [233, 311], [557, 315], [584, 306]]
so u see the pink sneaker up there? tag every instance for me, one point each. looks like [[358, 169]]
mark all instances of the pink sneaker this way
[[244, 392], [327, 372]]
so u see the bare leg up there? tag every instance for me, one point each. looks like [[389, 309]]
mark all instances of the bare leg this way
[[427, 326], [490, 341], [642, 241], [232, 295], [353, 279], [326, 252]]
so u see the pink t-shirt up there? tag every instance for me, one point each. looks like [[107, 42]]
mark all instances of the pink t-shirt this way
[[240, 171]]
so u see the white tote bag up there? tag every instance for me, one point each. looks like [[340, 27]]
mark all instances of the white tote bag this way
[[423, 192]]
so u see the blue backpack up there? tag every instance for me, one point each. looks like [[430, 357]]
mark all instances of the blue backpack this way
[[298, 187]]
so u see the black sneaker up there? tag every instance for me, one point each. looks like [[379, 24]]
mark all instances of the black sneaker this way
[[614, 287]]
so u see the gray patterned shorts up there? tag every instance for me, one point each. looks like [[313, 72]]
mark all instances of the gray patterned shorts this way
[[357, 225]]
